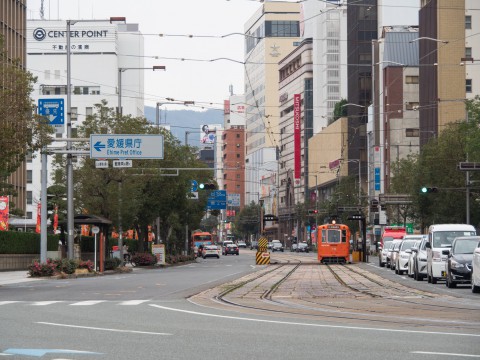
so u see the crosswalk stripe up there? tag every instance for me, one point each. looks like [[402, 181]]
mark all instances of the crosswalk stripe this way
[[132, 302], [8, 302], [44, 303], [88, 302]]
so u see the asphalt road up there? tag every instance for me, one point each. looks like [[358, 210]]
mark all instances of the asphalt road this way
[[148, 314]]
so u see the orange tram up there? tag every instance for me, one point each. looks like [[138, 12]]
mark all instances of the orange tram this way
[[333, 243]]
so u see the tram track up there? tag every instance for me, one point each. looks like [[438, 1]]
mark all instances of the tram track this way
[[261, 293]]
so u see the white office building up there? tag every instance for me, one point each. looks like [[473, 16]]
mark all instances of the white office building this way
[[100, 52]]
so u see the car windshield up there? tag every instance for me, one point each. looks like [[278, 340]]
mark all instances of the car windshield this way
[[465, 246], [387, 245], [407, 244], [277, 244], [444, 239]]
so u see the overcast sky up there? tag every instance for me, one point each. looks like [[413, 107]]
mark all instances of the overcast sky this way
[[205, 83]]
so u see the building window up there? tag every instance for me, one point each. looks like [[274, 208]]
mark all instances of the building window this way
[[468, 52], [29, 176], [58, 135], [412, 105], [468, 22], [410, 79], [29, 157], [224, 176], [238, 156], [282, 28], [238, 187], [47, 74], [29, 198], [57, 74], [238, 136], [29, 215], [412, 132], [74, 132], [468, 87], [88, 111], [238, 176]]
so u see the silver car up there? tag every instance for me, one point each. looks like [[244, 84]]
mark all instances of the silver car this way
[[411, 258], [394, 253], [383, 253], [404, 251]]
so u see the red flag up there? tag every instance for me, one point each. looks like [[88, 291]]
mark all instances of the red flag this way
[[4, 213], [55, 220], [39, 218]]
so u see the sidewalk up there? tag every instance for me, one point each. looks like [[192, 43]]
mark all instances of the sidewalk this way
[[15, 277]]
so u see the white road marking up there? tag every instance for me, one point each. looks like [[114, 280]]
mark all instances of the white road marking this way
[[44, 303], [87, 303], [103, 329], [315, 325], [132, 302], [444, 354], [8, 302]]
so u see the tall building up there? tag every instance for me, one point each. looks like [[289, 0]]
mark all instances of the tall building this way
[[296, 128], [442, 45], [103, 54], [361, 29], [13, 24], [270, 34]]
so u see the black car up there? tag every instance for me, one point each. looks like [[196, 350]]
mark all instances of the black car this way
[[459, 263], [230, 249], [277, 246], [302, 247]]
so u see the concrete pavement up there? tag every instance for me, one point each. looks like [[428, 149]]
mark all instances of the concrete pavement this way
[[15, 277]]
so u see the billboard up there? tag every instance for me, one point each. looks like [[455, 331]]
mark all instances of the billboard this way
[[208, 132], [296, 135]]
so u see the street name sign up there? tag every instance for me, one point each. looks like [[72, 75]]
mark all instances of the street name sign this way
[[217, 200], [101, 164], [122, 163], [126, 146]]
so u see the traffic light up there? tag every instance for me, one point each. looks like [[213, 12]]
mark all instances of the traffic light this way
[[426, 190], [207, 186], [374, 204], [312, 212]]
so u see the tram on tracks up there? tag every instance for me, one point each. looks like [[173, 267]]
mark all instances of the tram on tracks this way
[[333, 243]]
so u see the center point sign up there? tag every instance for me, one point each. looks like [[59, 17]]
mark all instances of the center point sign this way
[[126, 146]]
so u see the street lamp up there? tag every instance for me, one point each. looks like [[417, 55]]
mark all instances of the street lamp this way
[[70, 210], [171, 101], [429, 38], [122, 70]]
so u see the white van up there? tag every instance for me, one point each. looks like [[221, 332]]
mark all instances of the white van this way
[[440, 237]]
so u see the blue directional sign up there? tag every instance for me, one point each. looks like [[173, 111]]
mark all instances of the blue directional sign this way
[[194, 186], [53, 110], [217, 200], [126, 146]]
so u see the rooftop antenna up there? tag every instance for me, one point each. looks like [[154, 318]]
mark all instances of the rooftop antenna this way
[[42, 11]]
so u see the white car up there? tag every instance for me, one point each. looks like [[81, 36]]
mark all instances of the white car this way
[[211, 251], [404, 251], [383, 254], [476, 270], [392, 254], [420, 260], [411, 257]]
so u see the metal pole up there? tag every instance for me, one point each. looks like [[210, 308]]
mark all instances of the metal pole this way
[[70, 214], [43, 211], [119, 112], [186, 137], [157, 115], [467, 184]]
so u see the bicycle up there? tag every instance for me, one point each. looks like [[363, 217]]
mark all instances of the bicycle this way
[[127, 259]]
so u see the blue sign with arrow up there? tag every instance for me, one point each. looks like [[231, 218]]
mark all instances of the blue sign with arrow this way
[[53, 110]]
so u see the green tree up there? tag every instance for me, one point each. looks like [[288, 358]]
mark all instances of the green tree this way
[[247, 221], [21, 132], [339, 110]]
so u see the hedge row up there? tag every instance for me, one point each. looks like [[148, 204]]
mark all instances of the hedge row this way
[[15, 242]]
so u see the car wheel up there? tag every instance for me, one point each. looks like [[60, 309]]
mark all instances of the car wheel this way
[[475, 288], [429, 279], [218, 257], [433, 280], [204, 257], [380, 263], [450, 284]]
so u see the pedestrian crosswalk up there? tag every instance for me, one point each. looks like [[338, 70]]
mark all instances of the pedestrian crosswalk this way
[[73, 303]]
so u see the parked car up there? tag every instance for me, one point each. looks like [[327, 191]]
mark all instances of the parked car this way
[[476, 270], [404, 251], [440, 237], [242, 244], [392, 252], [269, 245], [230, 249], [293, 247], [277, 246], [420, 261], [302, 247], [459, 264], [210, 251], [383, 253], [411, 258]]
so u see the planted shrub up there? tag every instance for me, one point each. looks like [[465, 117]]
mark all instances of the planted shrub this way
[[144, 259], [86, 265], [37, 269], [112, 263]]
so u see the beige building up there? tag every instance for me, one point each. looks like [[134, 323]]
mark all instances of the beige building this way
[[271, 34], [443, 26]]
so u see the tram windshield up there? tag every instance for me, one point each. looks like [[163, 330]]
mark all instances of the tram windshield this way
[[335, 236]]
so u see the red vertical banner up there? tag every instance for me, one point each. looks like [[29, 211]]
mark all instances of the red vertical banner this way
[[55, 220], [39, 218], [297, 101], [4, 212]]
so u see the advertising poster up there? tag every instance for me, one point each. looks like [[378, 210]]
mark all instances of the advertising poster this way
[[39, 218], [296, 135], [3, 213], [159, 252]]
